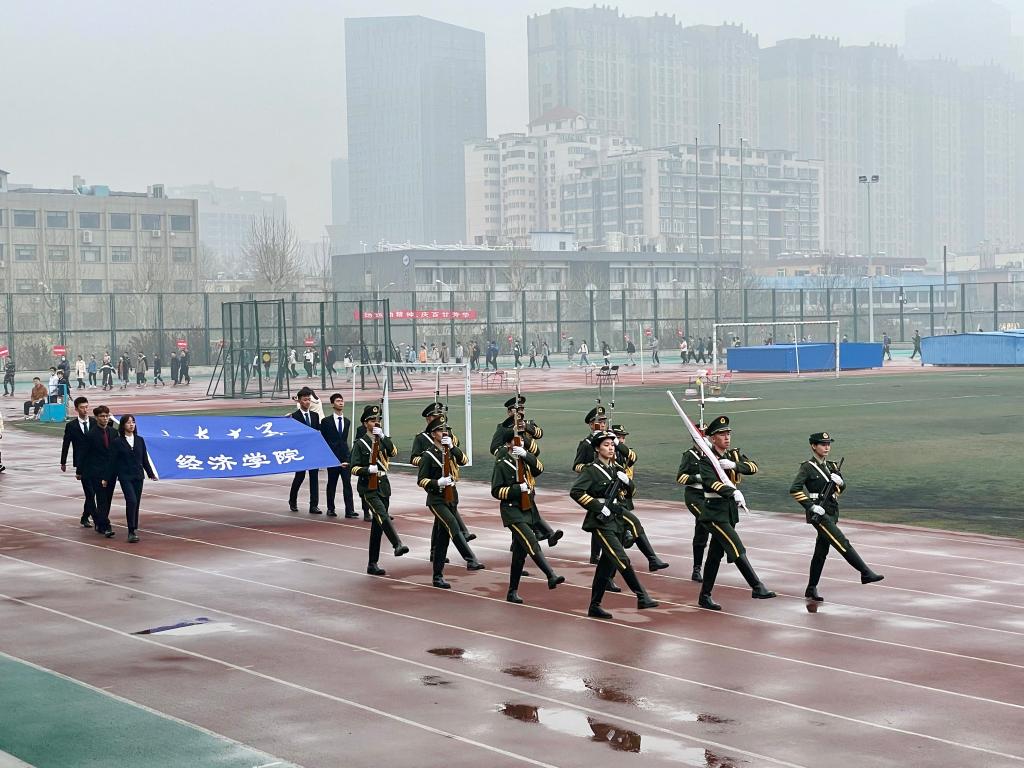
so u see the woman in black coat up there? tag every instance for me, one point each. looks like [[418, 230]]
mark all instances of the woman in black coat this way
[[132, 461]]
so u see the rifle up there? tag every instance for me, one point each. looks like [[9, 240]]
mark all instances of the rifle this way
[[517, 440], [447, 467], [830, 488], [373, 483]]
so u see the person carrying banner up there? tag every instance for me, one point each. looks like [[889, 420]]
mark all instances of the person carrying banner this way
[[307, 416], [371, 455], [512, 483], [75, 433], [688, 475], [601, 489], [720, 514], [100, 467], [438, 475], [816, 488], [335, 430]]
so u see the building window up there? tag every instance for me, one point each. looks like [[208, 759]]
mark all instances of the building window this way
[[1, 217], [91, 255], [60, 286], [24, 218], [25, 286], [25, 253], [88, 220], [120, 254], [57, 253], [180, 224], [181, 255], [92, 286], [151, 221], [182, 286], [119, 286], [57, 219], [120, 221]]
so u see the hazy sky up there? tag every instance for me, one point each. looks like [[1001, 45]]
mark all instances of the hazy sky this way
[[251, 94]]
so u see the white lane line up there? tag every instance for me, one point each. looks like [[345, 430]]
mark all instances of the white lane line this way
[[447, 671], [536, 646], [287, 684]]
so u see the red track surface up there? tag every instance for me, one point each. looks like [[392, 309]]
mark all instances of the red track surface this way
[[323, 665]]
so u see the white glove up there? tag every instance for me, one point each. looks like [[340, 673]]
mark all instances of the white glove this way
[[616, 441], [623, 477], [447, 441], [727, 463], [817, 510], [707, 441], [378, 432], [372, 469], [837, 480], [738, 498], [519, 452], [605, 512], [695, 477], [525, 487], [445, 481]]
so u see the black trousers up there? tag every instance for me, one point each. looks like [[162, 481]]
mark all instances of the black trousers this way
[[89, 508], [314, 488], [8, 384], [381, 526], [333, 474], [92, 378], [103, 495], [131, 487]]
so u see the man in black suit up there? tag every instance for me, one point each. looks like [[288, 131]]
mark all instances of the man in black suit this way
[[75, 434], [335, 429], [99, 469], [310, 419]]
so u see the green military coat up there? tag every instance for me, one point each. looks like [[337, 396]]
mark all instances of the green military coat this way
[[432, 469], [589, 491], [719, 506], [504, 487], [362, 449], [810, 481]]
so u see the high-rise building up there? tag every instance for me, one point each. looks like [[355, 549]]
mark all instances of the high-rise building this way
[[513, 183], [226, 216], [415, 94], [647, 78], [970, 32]]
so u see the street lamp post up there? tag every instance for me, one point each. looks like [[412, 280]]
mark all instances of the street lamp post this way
[[873, 179]]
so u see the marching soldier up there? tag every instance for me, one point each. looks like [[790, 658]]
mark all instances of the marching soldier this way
[[816, 488], [423, 442], [531, 434], [518, 512], [601, 489], [720, 513], [377, 500], [435, 478], [654, 562], [693, 495]]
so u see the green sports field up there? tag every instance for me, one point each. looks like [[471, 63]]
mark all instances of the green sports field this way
[[939, 449]]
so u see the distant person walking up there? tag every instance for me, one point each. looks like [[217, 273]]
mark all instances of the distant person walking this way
[[886, 347], [80, 371], [158, 371], [91, 369], [533, 355], [9, 370], [175, 366], [917, 345], [584, 353], [655, 360], [545, 350], [107, 371], [630, 352]]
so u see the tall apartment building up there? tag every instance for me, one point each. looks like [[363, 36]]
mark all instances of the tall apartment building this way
[[647, 78], [91, 239], [415, 93], [648, 198], [513, 182], [226, 216], [970, 32]]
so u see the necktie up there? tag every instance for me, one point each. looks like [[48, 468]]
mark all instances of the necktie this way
[[306, 416], [106, 439], [339, 425], [85, 427]]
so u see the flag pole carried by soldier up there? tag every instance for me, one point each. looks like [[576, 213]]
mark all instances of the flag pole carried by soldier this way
[[816, 488], [438, 475], [371, 456], [601, 489], [512, 484], [688, 475]]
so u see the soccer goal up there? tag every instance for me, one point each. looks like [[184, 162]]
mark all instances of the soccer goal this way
[[791, 334], [450, 383]]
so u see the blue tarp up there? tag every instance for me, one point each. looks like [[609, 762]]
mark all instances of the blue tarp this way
[[993, 348], [782, 358], [204, 447]]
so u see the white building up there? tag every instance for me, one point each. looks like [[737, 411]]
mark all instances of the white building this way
[[91, 239], [226, 216], [513, 183]]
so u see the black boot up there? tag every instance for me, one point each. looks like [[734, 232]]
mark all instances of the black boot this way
[[705, 601], [811, 593], [513, 597], [440, 583], [698, 558], [643, 600], [389, 531], [595, 549], [695, 575], [373, 570], [464, 549], [817, 565], [597, 590], [867, 576], [553, 578], [554, 537], [760, 591], [612, 586], [654, 562]]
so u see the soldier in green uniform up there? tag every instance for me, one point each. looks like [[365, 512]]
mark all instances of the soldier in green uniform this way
[[720, 513], [376, 500], [519, 514], [822, 512], [601, 489], [435, 481], [688, 475], [639, 535], [531, 435], [423, 442]]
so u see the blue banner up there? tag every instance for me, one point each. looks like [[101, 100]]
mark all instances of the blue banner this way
[[205, 447]]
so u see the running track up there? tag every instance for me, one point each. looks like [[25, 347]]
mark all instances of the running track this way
[[322, 665]]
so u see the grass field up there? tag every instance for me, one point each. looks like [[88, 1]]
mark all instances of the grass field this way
[[939, 449]]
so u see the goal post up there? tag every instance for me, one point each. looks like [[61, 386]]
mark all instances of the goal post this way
[[453, 380], [796, 329]]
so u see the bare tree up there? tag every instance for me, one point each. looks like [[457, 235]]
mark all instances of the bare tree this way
[[272, 249], [320, 262]]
